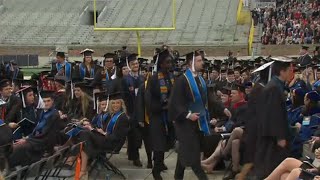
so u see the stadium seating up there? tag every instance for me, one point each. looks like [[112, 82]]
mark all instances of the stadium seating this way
[[57, 22]]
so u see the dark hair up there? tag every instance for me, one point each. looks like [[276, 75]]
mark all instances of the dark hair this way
[[277, 67], [297, 101]]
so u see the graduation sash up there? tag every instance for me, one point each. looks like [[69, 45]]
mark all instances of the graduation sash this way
[[74, 131], [113, 121], [2, 123], [198, 106], [83, 71], [67, 70], [164, 97], [42, 121], [98, 121]]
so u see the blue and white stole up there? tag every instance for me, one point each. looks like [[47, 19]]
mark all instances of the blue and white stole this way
[[113, 121], [67, 69], [83, 71], [42, 121], [99, 119], [198, 106]]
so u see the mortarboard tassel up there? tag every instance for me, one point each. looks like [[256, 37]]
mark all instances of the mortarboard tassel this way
[[155, 66], [106, 109], [23, 101], [270, 73], [72, 93], [128, 64], [94, 100], [114, 76], [98, 105], [193, 68]]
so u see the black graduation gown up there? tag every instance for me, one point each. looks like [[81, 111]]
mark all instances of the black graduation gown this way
[[30, 113], [97, 143], [12, 109], [59, 101], [161, 140], [273, 125], [188, 133], [38, 142], [100, 79], [75, 110], [249, 137]]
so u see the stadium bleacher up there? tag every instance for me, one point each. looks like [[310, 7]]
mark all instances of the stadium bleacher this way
[[55, 22]]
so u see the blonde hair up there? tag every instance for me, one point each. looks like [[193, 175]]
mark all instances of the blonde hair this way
[[85, 100], [123, 106]]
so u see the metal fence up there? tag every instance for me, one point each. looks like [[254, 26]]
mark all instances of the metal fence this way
[[21, 60]]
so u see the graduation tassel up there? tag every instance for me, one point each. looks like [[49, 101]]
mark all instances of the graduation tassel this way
[[114, 76], [23, 101], [155, 66], [97, 105], [106, 109], [193, 68], [94, 100], [270, 73], [72, 93], [128, 64]]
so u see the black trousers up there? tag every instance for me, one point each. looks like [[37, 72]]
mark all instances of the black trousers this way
[[146, 141], [198, 171], [158, 158], [134, 143]]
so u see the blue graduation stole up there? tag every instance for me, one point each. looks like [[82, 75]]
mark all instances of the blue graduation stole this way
[[83, 71], [113, 121], [107, 75], [67, 69], [2, 123], [99, 119], [42, 121], [198, 106], [74, 131]]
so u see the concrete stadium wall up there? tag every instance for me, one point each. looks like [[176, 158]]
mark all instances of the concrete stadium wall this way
[[276, 50]]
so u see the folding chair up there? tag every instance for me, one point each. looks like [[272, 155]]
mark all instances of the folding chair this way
[[17, 174], [66, 153], [35, 169], [103, 160], [50, 165]]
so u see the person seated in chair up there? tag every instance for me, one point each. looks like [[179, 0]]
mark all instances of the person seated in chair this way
[[294, 110], [43, 137], [110, 137], [5, 146], [234, 125], [307, 123]]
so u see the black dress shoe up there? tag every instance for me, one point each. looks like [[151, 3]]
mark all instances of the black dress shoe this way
[[163, 167], [156, 175], [230, 175], [137, 163]]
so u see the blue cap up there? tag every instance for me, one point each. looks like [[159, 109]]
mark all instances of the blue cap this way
[[313, 96], [299, 92]]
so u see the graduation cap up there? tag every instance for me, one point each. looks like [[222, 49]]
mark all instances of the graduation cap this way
[[87, 52], [226, 90], [264, 68], [5, 83], [109, 55], [305, 47], [299, 92], [22, 92], [60, 54], [223, 69], [160, 57], [248, 84], [191, 57], [47, 94], [101, 96], [238, 87], [60, 80], [131, 57], [115, 96], [313, 96]]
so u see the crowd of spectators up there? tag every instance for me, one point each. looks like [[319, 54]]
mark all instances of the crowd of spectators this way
[[293, 22]]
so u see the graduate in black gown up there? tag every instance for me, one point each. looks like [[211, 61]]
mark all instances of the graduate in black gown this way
[[133, 82], [110, 137], [273, 126], [187, 109], [249, 137], [43, 137], [144, 120], [87, 69], [61, 66], [28, 114], [10, 111], [108, 72], [158, 91], [60, 95]]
